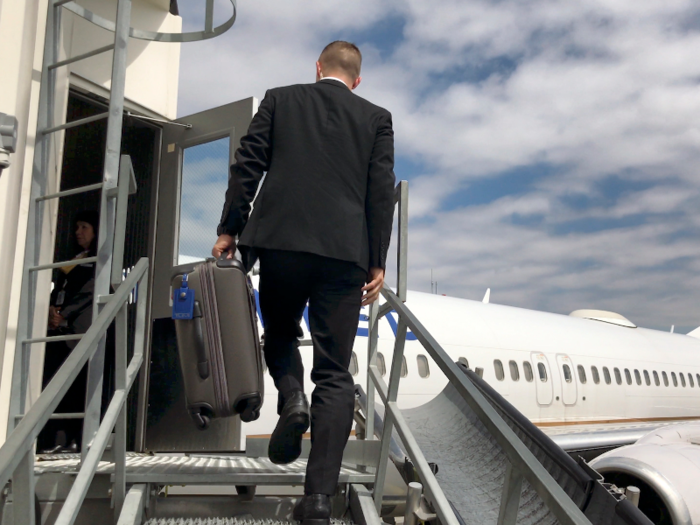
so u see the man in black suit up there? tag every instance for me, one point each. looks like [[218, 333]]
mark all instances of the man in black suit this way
[[320, 227]]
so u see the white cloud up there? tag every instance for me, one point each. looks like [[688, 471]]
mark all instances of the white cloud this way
[[596, 88]]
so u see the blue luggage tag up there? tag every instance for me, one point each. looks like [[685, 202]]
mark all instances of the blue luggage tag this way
[[183, 303]]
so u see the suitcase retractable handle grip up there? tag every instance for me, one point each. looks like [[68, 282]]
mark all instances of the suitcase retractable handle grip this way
[[200, 348]]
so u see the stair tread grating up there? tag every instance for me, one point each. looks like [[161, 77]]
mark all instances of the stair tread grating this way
[[231, 521], [180, 469]]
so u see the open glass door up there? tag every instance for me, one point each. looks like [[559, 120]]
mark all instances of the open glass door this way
[[194, 175]]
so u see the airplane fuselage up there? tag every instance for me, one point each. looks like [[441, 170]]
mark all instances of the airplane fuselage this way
[[555, 369]]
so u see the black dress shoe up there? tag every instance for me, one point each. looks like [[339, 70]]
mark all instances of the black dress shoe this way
[[285, 442], [313, 509]]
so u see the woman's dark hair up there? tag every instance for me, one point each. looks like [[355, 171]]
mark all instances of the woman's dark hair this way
[[93, 219]]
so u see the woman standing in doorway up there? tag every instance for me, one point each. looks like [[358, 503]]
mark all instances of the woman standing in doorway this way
[[70, 313]]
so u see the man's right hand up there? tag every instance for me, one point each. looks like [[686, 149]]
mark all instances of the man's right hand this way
[[375, 283], [225, 243]]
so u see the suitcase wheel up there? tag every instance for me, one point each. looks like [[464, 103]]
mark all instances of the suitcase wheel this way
[[201, 421], [250, 414]]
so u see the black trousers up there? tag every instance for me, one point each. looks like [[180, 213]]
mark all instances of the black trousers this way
[[333, 289]]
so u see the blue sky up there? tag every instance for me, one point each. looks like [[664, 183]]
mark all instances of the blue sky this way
[[552, 147]]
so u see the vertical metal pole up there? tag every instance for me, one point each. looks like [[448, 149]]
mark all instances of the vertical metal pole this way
[[125, 171], [402, 279], [23, 491], [392, 392], [209, 17], [105, 244], [372, 342], [119, 488], [510, 498], [415, 490], [35, 218]]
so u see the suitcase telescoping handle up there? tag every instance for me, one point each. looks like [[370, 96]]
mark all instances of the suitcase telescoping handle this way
[[200, 348]]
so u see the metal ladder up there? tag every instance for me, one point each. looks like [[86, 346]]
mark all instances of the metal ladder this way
[[112, 212], [108, 262]]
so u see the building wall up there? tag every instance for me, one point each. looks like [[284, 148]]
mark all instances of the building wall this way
[[152, 78]]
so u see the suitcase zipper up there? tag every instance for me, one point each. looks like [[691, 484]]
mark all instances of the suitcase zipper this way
[[213, 328]]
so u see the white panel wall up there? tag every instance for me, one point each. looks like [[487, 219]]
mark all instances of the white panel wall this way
[[153, 67]]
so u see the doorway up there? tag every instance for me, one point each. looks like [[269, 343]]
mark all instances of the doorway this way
[[82, 164]]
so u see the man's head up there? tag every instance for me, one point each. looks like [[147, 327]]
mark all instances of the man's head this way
[[341, 60]]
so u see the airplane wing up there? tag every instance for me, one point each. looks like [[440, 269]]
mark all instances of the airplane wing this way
[[589, 441]]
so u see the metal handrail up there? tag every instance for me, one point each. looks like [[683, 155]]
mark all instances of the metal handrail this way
[[17, 454], [522, 463]]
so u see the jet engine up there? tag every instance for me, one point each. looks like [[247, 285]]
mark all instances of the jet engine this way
[[665, 466]]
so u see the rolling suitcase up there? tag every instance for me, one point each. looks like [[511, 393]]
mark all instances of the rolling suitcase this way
[[217, 338]]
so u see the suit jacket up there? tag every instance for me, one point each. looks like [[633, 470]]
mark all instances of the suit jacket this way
[[329, 188]]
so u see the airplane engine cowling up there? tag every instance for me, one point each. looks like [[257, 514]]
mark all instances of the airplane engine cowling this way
[[665, 466]]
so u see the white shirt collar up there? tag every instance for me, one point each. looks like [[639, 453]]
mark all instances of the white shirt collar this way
[[336, 79]]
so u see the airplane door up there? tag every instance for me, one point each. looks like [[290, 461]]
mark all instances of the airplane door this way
[[543, 379], [194, 170], [568, 379]]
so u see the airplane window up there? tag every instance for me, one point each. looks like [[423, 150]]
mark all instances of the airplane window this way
[[381, 363], [514, 372], [646, 378], [663, 374], [498, 366], [675, 379], [690, 380], [567, 373], [682, 379], [353, 368], [479, 371], [543, 372], [423, 368], [463, 361], [637, 377], [606, 374], [618, 377], [656, 378], [697, 376], [527, 370], [596, 375], [628, 376], [581, 374], [404, 367]]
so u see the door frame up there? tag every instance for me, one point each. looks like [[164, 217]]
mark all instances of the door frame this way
[[569, 389], [545, 389]]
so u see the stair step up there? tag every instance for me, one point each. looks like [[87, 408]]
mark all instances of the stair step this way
[[248, 520], [197, 470]]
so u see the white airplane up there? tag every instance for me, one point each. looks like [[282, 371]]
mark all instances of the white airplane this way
[[592, 380]]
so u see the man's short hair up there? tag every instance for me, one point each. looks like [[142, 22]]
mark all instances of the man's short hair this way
[[342, 56]]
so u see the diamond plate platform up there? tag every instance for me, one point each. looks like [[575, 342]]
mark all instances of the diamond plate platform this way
[[209, 470]]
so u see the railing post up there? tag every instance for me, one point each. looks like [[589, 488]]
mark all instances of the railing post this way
[[415, 491], [402, 259], [510, 498], [372, 341], [23, 491], [119, 487], [125, 187], [392, 392]]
